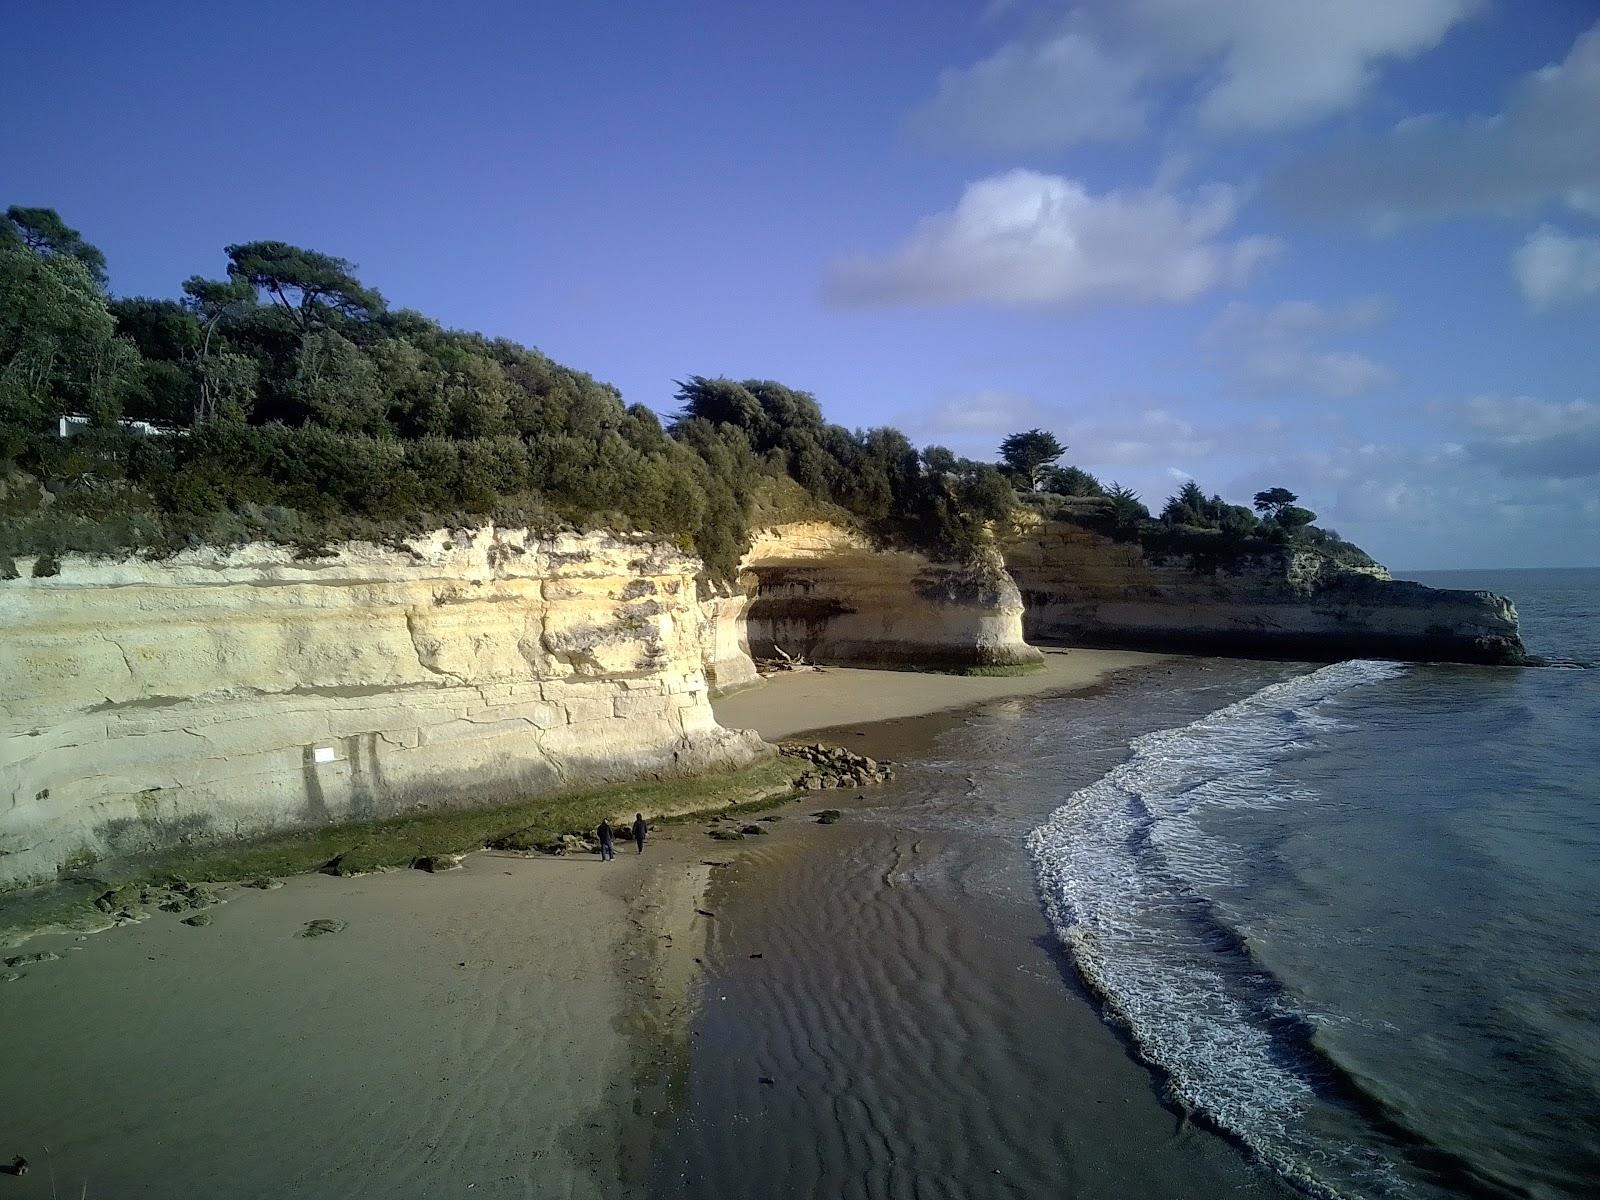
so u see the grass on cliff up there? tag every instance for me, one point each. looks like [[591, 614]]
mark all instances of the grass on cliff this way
[[399, 841]]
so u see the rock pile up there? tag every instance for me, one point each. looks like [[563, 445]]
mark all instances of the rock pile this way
[[835, 767], [134, 901]]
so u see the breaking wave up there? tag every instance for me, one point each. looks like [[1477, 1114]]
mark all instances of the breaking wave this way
[[1126, 871]]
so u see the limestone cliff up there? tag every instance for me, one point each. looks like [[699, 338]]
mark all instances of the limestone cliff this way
[[1080, 587], [826, 592], [724, 644], [220, 694]]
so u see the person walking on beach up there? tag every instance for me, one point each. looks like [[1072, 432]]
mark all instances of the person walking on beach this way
[[639, 830], [607, 853]]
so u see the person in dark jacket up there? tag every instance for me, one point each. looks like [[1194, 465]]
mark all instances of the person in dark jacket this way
[[639, 830], [607, 853]]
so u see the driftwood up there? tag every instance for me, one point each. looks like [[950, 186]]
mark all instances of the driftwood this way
[[784, 662]]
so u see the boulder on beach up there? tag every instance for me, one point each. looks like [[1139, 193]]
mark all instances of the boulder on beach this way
[[28, 960], [434, 863], [322, 925]]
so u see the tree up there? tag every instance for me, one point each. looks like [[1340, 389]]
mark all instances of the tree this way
[[338, 386], [1273, 501], [309, 285], [59, 349], [1291, 518], [1127, 512], [1024, 455], [1070, 481], [44, 232], [723, 402], [1189, 507]]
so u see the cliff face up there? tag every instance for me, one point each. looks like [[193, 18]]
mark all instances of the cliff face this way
[[1080, 587], [724, 646], [823, 591], [226, 694]]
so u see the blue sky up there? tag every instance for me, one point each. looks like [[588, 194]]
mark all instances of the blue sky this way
[[1350, 248]]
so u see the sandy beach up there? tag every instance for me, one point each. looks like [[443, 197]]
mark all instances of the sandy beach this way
[[533, 1026], [498, 1029], [790, 703]]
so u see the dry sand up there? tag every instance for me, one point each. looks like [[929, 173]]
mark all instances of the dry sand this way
[[797, 702], [489, 1031]]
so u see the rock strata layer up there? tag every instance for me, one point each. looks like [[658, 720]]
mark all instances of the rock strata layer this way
[[223, 694], [826, 593]]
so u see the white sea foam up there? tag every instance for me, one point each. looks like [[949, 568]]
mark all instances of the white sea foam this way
[[1127, 871]]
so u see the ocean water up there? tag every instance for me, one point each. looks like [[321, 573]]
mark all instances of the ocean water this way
[[1329, 931], [1352, 919]]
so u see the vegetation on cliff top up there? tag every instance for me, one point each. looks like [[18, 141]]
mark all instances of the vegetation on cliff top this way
[[286, 401]]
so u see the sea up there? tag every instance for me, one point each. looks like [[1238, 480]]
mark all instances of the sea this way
[[1354, 918], [1216, 929]]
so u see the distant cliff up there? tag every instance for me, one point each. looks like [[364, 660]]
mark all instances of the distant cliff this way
[[229, 693], [827, 592], [1080, 587]]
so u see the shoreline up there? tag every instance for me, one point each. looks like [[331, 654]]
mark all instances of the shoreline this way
[[536, 1021]]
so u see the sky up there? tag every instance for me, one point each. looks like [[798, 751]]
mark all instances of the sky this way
[[1352, 249]]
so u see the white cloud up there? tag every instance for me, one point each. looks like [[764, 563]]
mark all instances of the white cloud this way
[[1030, 240], [1253, 64], [1437, 504], [1553, 267], [1544, 147], [1056, 92], [1272, 65], [981, 416], [1279, 351], [1141, 433], [1525, 436]]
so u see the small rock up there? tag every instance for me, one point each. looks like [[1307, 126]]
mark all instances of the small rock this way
[[434, 863], [11, 977], [19, 1166], [198, 920], [27, 960], [321, 926], [752, 829], [827, 816], [571, 843], [773, 817], [725, 835], [704, 913], [264, 882], [757, 954], [339, 865], [186, 897], [769, 1081]]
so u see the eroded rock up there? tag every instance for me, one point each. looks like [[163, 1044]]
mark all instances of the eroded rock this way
[[322, 926], [28, 960]]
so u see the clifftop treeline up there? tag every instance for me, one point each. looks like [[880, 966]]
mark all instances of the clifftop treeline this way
[[287, 401]]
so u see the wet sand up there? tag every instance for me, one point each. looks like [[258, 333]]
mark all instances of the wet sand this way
[[911, 1026]]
